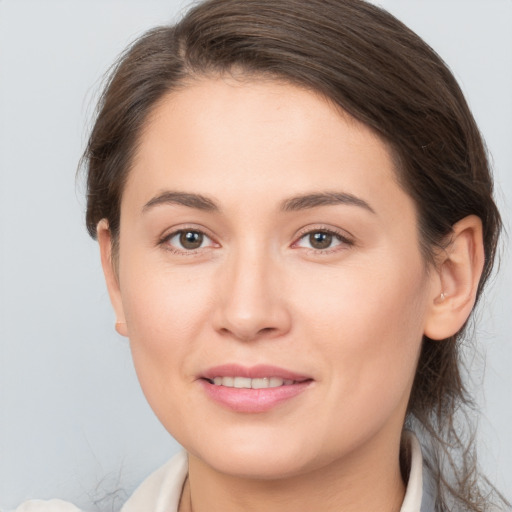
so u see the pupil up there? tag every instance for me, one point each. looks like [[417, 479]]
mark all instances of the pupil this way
[[191, 239], [320, 240]]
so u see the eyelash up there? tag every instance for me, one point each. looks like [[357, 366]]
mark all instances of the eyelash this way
[[344, 241], [165, 241]]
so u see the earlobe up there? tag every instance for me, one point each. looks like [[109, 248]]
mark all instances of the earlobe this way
[[458, 271], [109, 271]]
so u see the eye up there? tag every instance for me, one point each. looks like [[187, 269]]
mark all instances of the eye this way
[[321, 240], [188, 240]]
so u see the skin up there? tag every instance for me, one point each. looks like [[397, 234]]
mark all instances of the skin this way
[[350, 316]]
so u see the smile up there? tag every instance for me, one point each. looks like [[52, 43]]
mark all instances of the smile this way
[[255, 389]]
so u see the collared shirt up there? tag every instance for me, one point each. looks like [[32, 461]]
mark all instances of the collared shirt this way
[[161, 491]]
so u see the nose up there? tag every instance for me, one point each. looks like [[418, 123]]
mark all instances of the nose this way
[[251, 303]]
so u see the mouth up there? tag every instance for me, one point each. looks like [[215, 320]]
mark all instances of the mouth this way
[[252, 390], [248, 383]]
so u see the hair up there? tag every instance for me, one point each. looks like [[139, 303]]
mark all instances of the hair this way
[[366, 62]]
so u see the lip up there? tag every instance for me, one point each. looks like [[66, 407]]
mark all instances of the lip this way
[[254, 372], [253, 401]]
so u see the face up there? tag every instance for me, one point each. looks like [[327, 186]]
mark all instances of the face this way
[[270, 277]]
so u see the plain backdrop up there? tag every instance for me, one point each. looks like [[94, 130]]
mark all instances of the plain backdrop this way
[[73, 422]]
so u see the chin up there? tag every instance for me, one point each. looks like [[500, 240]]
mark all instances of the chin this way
[[259, 466], [256, 457]]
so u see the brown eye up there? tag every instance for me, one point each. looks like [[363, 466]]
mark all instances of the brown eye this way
[[323, 240], [320, 240], [186, 240], [191, 239]]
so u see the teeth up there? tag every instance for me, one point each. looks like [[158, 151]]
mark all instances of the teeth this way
[[274, 382], [242, 382], [246, 383], [262, 383], [228, 381]]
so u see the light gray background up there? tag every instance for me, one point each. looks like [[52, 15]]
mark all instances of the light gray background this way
[[73, 422]]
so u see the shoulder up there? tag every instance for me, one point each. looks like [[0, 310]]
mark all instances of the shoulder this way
[[160, 492], [46, 506]]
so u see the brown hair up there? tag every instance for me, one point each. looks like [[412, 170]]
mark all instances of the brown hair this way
[[368, 63]]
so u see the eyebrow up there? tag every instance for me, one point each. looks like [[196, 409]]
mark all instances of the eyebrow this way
[[308, 201], [303, 202], [196, 201]]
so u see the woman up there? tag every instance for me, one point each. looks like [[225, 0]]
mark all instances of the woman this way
[[295, 216]]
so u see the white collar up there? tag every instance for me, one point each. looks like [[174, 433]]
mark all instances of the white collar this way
[[161, 491], [420, 494]]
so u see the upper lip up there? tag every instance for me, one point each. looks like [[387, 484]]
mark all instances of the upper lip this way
[[253, 372]]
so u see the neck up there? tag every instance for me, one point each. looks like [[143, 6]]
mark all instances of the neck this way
[[359, 482]]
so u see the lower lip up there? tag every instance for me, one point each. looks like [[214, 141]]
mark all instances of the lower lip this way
[[253, 400]]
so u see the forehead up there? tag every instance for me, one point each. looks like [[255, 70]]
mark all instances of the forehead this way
[[244, 139]]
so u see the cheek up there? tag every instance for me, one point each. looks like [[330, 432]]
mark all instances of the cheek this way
[[166, 311], [367, 323], [157, 295]]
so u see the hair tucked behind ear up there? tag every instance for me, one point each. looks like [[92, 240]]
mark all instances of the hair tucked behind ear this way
[[368, 63]]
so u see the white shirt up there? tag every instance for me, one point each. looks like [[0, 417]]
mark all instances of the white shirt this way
[[161, 491]]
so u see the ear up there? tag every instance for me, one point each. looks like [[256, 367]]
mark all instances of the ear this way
[[454, 288], [111, 278]]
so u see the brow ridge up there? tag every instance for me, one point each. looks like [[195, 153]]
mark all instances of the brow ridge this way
[[302, 202], [308, 201], [197, 201]]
